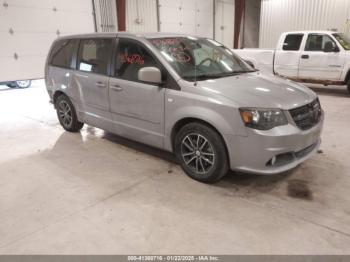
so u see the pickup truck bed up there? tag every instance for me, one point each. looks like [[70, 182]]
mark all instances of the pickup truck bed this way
[[321, 57]]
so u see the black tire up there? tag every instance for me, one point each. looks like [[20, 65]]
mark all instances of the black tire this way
[[348, 85], [67, 115], [11, 85], [201, 168]]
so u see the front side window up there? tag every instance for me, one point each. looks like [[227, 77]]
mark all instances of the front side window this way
[[343, 40], [131, 57], [292, 42], [94, 55], [199, 59], [62, 53], [317, 42]]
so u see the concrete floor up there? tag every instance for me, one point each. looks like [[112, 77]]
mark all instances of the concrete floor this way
[[95, 193]]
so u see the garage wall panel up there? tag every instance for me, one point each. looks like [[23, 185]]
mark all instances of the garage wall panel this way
[[27, 29], [193, 17], [141, 16], [278, 16], [106, 15], [224, 21]]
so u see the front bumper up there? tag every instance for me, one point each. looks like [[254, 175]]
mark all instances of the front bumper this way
[[274, 151]]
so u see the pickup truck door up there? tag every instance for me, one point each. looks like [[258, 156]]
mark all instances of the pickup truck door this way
[[318, 63], [287, 55]]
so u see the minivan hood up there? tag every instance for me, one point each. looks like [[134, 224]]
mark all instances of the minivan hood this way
[[259, 90]]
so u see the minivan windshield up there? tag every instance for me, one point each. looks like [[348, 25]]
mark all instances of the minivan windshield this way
[[343, 40], [200, 58]]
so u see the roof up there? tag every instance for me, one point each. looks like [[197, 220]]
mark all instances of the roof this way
[[311, 31], [137, 35]]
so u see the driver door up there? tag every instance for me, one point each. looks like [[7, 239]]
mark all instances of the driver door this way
[[317, 64], [137, 108]]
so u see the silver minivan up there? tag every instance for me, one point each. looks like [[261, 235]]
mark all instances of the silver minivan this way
[[184, 94]]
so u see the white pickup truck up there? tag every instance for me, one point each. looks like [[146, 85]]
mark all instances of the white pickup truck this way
[[321, 57]]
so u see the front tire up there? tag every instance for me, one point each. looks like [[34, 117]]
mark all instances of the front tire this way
[[348, 86], [201, 152], [67, 115]]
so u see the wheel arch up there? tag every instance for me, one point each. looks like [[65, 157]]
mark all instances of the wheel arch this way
[[186, 120], [347, 77], [56, 95]]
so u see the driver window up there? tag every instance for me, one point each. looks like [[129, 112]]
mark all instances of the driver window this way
[[130, 58], [317, 42]]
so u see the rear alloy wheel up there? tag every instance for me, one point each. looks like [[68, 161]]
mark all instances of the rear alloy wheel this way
[[66, 114], [201, 152], [23, 83]]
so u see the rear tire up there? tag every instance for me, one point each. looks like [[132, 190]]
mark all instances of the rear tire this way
[[67, 115], [201, 152], [23, 84], [348, 86]]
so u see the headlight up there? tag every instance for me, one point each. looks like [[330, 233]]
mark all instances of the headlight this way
[[263, 119]]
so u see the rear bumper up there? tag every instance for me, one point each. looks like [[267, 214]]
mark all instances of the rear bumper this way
[[273, 151]]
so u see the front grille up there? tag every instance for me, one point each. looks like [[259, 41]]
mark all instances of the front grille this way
[[308, 115]]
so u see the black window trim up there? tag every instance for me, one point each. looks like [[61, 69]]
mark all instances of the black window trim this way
[[74, 54], [307, 38], [170, 82], [284, 40], [108, 74]]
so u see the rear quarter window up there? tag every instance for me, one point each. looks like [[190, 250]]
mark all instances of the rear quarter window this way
[[62, 53], [292, 42]]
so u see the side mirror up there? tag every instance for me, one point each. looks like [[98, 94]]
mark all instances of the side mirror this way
[[250, 63], [330, 47], [150, 75]]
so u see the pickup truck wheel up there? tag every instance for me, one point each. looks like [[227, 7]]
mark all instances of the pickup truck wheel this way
[[67, 115], [201, 152], [23, 83]]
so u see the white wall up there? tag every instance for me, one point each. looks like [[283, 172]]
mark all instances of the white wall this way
[[278, 16], [187, 16], [106, 15], [35, 24], [141, 16], [224, 21]]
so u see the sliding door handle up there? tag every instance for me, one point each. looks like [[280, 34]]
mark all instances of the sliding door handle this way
[[100, 84], [305, 56], [116, 87]]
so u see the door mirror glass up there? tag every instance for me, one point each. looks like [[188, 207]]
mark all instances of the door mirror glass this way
[[150, 75]]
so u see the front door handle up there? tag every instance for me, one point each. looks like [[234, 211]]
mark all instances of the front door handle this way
[[100, 84], [305, 56], [116, 87]]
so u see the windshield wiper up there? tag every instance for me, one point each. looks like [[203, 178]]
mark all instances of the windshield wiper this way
[[213, 76], [203, 77], [241, 72]]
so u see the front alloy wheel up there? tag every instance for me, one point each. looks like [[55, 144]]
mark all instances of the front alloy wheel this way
[[197, 153], [202, 152]]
